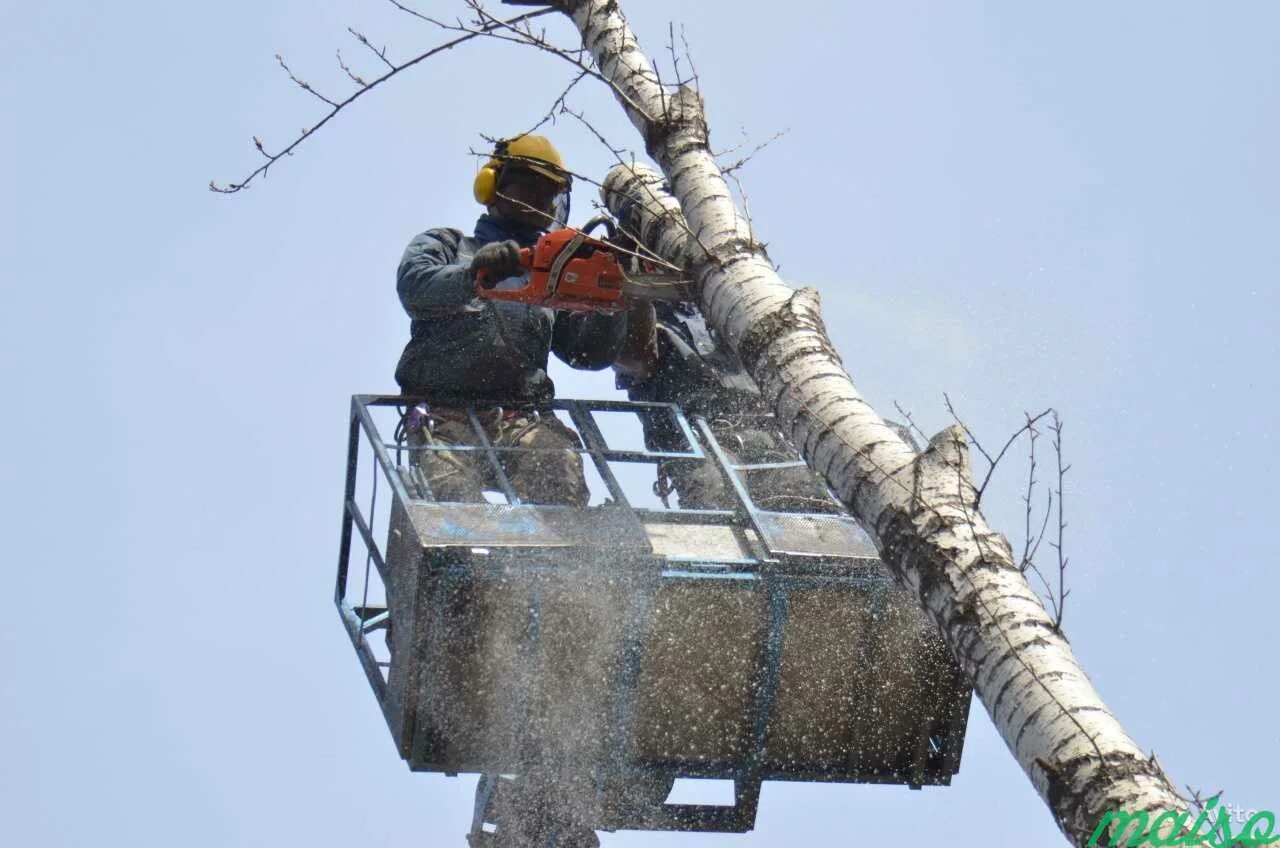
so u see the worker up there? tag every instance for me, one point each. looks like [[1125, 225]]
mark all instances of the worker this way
[[467, 350]]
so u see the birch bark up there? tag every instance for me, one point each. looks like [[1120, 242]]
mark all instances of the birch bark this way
[[921, 508]]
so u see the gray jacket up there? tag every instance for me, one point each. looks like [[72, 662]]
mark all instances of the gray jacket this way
[[464, 347]]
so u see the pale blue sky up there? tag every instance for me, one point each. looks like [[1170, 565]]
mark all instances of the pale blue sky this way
[[1019, 204]]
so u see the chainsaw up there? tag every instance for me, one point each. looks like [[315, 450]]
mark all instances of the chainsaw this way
[[570, 269]]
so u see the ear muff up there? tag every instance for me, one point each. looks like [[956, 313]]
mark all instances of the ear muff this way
[[485, 187]]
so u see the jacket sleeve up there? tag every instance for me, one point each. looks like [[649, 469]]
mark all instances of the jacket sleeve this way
[[587, 340], [429, 280]]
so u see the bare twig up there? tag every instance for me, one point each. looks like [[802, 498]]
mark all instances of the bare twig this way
[[1031, 542], [257, 142], [1057, 597], [1196, 800], [354, 77], [688, 55], [1202, 806], [558, 105], [303, 84], [1063, 592], [272, 158], [746, 212], [1033, 434], [747, 158], [1055, 605], [1044, 523], [662, 92], [380, 52], [742, 134], [955, 416], [911, 422], [616, 151], [491, 26], [414, 12], [992, 462], [675, 57]]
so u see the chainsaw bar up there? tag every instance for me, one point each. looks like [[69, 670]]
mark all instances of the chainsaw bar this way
[[657, 287]]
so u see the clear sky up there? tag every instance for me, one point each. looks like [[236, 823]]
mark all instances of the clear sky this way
[[1021, 205]]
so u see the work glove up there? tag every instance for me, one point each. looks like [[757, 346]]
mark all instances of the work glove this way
[[496, 261]]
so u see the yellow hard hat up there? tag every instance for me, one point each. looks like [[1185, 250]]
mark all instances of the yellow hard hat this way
[[534, 152]]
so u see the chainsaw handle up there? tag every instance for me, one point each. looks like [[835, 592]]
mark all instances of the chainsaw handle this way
[[485, 282], [597, 221]]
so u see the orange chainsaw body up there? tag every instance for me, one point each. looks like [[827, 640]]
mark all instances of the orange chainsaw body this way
[[568, 269]]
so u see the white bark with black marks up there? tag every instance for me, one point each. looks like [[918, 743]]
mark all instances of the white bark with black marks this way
[[920, 508]]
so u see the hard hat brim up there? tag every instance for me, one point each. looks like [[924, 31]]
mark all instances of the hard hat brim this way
[[538, 167]]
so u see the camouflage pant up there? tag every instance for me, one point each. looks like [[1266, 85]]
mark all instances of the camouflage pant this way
[[547, 469], [701, 486]]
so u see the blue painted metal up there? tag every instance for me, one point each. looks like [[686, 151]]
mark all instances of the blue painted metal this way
[[368, 662], [360, 411], [597, 449], [349, 509]]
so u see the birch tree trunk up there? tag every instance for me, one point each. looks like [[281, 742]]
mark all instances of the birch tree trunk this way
[[921, 509]]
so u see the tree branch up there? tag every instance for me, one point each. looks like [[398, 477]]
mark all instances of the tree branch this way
[[272, 158]]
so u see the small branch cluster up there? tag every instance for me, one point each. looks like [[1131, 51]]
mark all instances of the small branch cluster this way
[[1054, 591], [482, 23], [1196, 799], [692, 78], [738, 163], [487, 27], [1063, 591], [520, 31]]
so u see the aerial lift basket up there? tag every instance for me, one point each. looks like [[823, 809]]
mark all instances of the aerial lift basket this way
[[633, 642]]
